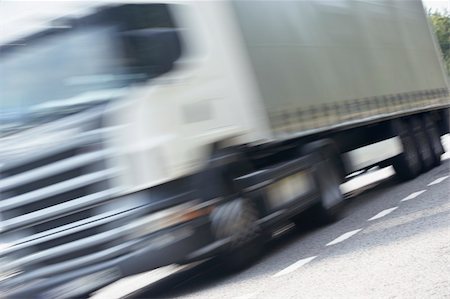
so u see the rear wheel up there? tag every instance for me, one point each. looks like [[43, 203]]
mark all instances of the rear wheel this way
[[331, 199], [328, 176], [407, 165], [422, 144], [434, 140]]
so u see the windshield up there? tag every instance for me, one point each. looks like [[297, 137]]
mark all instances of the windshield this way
[[91, 55]]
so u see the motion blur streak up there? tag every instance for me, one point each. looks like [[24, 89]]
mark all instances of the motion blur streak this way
[[140, 135]]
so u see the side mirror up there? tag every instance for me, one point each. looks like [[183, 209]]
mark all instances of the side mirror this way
[[152, 50]]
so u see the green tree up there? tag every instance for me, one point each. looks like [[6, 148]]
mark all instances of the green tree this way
[[440, 22]]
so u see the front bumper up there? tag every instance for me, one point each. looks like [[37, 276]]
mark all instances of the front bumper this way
[[168, 246]]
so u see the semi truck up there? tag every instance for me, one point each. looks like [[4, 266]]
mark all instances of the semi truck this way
[[138, 135]]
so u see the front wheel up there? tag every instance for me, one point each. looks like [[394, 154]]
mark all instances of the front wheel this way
[[237, 222]]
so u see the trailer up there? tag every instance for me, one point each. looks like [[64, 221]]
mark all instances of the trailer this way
[[145, 134]]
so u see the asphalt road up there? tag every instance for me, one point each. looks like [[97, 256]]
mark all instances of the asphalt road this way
[[393, 241]]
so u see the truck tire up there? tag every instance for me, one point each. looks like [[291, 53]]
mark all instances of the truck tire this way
[[327, 150], [423, 146], [237, 222], [235, 219], [434, 140], [328, 210], [328, 179], [407, 165]]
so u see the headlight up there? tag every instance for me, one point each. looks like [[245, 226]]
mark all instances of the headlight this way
[[169, 217]]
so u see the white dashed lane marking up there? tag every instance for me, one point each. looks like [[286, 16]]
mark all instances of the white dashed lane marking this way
[[437, 181], [413, 195], [295, 266], [383, 213], [349, 234], [344, 237]]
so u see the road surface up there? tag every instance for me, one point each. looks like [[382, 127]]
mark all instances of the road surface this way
[[393, 241]]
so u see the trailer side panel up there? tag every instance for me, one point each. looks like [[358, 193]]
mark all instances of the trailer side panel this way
[[322, 63]]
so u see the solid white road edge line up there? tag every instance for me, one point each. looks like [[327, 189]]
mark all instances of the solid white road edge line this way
[[344, 237], [295, 266], [383, 213], [437, 181], [413, 195]]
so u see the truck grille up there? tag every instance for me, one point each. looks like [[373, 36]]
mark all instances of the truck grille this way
[[58, 206]]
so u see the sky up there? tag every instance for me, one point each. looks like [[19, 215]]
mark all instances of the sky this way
[[440, 5], [17, 16]]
